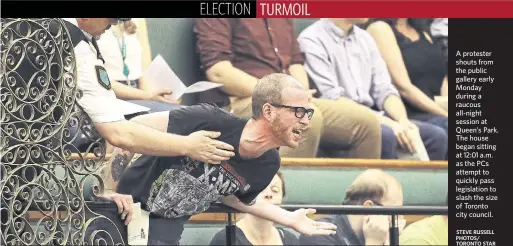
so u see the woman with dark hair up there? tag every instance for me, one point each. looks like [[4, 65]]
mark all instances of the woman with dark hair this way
[[252, 230], [416, 65]]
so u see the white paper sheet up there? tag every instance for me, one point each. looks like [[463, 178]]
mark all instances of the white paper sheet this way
[[161, 76], [202, 86]]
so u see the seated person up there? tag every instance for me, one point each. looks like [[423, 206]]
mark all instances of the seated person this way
[[252, 230], [237, 52], [173, 189], [344, 62], [433, 230], [126, 51], [371, 188], [416, 65]]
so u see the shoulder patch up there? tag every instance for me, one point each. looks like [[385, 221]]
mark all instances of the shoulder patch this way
[[103, 77]]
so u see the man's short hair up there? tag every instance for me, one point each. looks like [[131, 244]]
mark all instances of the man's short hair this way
[[269, 89], [372, 184]]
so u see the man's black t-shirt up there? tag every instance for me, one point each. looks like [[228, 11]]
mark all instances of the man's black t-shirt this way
[[179, 187]]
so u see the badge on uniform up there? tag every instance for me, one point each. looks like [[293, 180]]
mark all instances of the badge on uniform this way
[[103, 77]]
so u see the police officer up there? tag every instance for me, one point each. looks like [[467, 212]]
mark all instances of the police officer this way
[[108, 113]]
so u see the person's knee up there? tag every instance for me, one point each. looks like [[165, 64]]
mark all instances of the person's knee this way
[[439, 136], [436, 141], [441, 121], [369, 125]]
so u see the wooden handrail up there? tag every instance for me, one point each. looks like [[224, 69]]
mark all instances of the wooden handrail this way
[[340, 163], [362, 163]]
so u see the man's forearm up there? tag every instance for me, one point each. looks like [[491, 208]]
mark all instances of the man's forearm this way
[[113, 168], [141, 139], [125, 92], [235, 81], [298, 72], [395, 108], [144, 85]]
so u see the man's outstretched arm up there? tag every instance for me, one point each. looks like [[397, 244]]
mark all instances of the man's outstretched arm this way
[[147, 134], [296, 220]]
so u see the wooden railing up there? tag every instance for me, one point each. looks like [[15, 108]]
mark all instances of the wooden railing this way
[[338, 162], [362, 163]]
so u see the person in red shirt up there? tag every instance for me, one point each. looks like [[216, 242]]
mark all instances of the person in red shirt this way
[[237, 52]]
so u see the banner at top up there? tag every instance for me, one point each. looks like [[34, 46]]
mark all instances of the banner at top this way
[[384, 9], [267, 8]]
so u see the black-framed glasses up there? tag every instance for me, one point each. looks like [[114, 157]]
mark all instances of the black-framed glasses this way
[[299, 111]]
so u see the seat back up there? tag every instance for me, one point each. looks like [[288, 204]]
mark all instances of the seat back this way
[[327, 186], [202, 233], [300, 24], [174, 40]]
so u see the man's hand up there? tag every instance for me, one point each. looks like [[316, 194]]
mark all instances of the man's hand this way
[[375, 229], [160, 95], [401, 134], [302, 224], [202, 146], [407, 124], [124, 203]]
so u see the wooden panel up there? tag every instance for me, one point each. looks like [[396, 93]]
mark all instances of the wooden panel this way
[[345, 163], [362, 163]]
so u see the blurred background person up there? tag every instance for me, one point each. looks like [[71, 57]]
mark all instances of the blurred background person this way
[[372, 187], [433, 230], [416, 65], [126, 51], [237, 52], [344, 61], [252, 230]]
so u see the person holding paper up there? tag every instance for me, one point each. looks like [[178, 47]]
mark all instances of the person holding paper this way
[[159, 70], [343, 60], [126, 51], [173, 189], [236, 52]]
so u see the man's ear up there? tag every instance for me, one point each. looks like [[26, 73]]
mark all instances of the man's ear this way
[[267, 111], [368, 203]]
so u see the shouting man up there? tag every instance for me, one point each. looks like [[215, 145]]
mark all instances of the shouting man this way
[[174, 188]]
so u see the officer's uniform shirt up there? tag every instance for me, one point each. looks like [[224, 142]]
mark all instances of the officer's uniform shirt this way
[[98, 99]]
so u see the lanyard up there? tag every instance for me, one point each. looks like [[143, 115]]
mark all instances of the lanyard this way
[[122, 48]]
